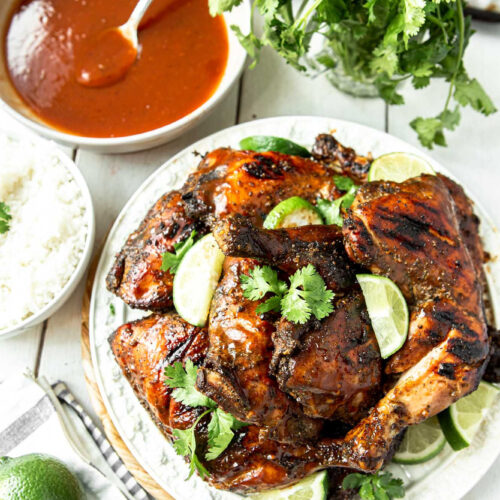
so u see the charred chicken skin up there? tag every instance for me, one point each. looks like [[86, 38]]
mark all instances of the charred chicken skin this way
[[226, 182], [313, 393]]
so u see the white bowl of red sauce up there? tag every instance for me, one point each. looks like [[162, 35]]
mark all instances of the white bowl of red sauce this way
[[187, 63]]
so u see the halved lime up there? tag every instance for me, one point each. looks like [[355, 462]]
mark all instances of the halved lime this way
[[462, 419], [263, 143], [421, 443], [314, 487], [398, 167], [293, 212], [387, 310], [196, 279]]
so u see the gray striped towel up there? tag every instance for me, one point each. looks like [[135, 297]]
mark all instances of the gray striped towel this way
[[38, 418]]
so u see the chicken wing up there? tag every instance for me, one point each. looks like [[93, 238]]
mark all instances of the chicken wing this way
[[290, 249], [136, 276]]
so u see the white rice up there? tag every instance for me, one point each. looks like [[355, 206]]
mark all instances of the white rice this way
[[47, 231]]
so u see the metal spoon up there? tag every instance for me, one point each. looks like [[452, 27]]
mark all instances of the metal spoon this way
[[106, 58]]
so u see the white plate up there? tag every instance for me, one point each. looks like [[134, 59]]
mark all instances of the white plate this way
[[449, 475]]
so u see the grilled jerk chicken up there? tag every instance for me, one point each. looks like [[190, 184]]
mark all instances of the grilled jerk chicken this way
[[136, 276], [312, 393], [290, 249], [332, 367], [236, 371], [226, 182], [143, 349]]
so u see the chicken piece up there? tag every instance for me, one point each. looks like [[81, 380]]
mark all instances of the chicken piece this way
[[136, 276], [251, 184], [332, 367], [290, 249], [492, 373], [342, 159], [225, 182], [236, 370], [410, 233], [144, 348]]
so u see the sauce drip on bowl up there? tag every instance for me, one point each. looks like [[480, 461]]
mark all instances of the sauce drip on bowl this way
[[182, 56]]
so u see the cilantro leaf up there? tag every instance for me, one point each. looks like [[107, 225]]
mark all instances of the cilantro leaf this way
[[183, 381], [330, 210], [221, 425], [171, 261], [307, 295], [343, 182], [379, 486], [112, 309], [471, 93], [271, 304], [261, 280], [431, 130], [5, 217], [217, 7], [185, 445], [220, 432]]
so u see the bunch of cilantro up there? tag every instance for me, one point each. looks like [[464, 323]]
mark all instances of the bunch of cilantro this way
[[387, 41]]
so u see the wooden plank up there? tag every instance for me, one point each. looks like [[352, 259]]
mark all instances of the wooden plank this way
[[273, 88], [473, 149], [112, 179], [20, 352]]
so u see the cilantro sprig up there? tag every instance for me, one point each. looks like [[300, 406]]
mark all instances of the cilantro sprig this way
[[305, 296], [381, 41], [170, 261], [5, 217], [330, 210], [380, 486], [220, 428]]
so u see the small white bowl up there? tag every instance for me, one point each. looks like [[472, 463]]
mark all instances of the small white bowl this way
[[10, 101], [50, 308]]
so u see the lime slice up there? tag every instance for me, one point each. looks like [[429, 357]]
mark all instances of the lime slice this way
[[421, 443], [398, 167], [293, 212], [387, 310], [196, 279], [314, 487], [462, 419], [263, 143]]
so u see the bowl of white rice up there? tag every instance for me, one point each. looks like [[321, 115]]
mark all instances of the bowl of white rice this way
[[46, 231]]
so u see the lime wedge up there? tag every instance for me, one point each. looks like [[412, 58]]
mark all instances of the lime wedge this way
[[398, 167], [462, 419], [196, 279], [292, 212], [421, 443], [387, 310], [314, 487]]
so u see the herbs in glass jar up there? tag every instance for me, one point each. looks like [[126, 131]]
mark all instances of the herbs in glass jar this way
[[377, 44]]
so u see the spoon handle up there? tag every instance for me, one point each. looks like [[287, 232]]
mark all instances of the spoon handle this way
[[138, 13]]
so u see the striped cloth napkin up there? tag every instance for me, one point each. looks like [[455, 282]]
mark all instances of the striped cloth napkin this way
[[38, 418]]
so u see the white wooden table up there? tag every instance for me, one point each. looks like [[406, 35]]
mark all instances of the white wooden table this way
[[272, 89]]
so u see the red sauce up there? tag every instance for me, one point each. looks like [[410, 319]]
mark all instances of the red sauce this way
[[182, 56]]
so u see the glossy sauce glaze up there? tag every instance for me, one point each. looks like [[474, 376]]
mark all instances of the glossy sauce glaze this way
[[182, 56]]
